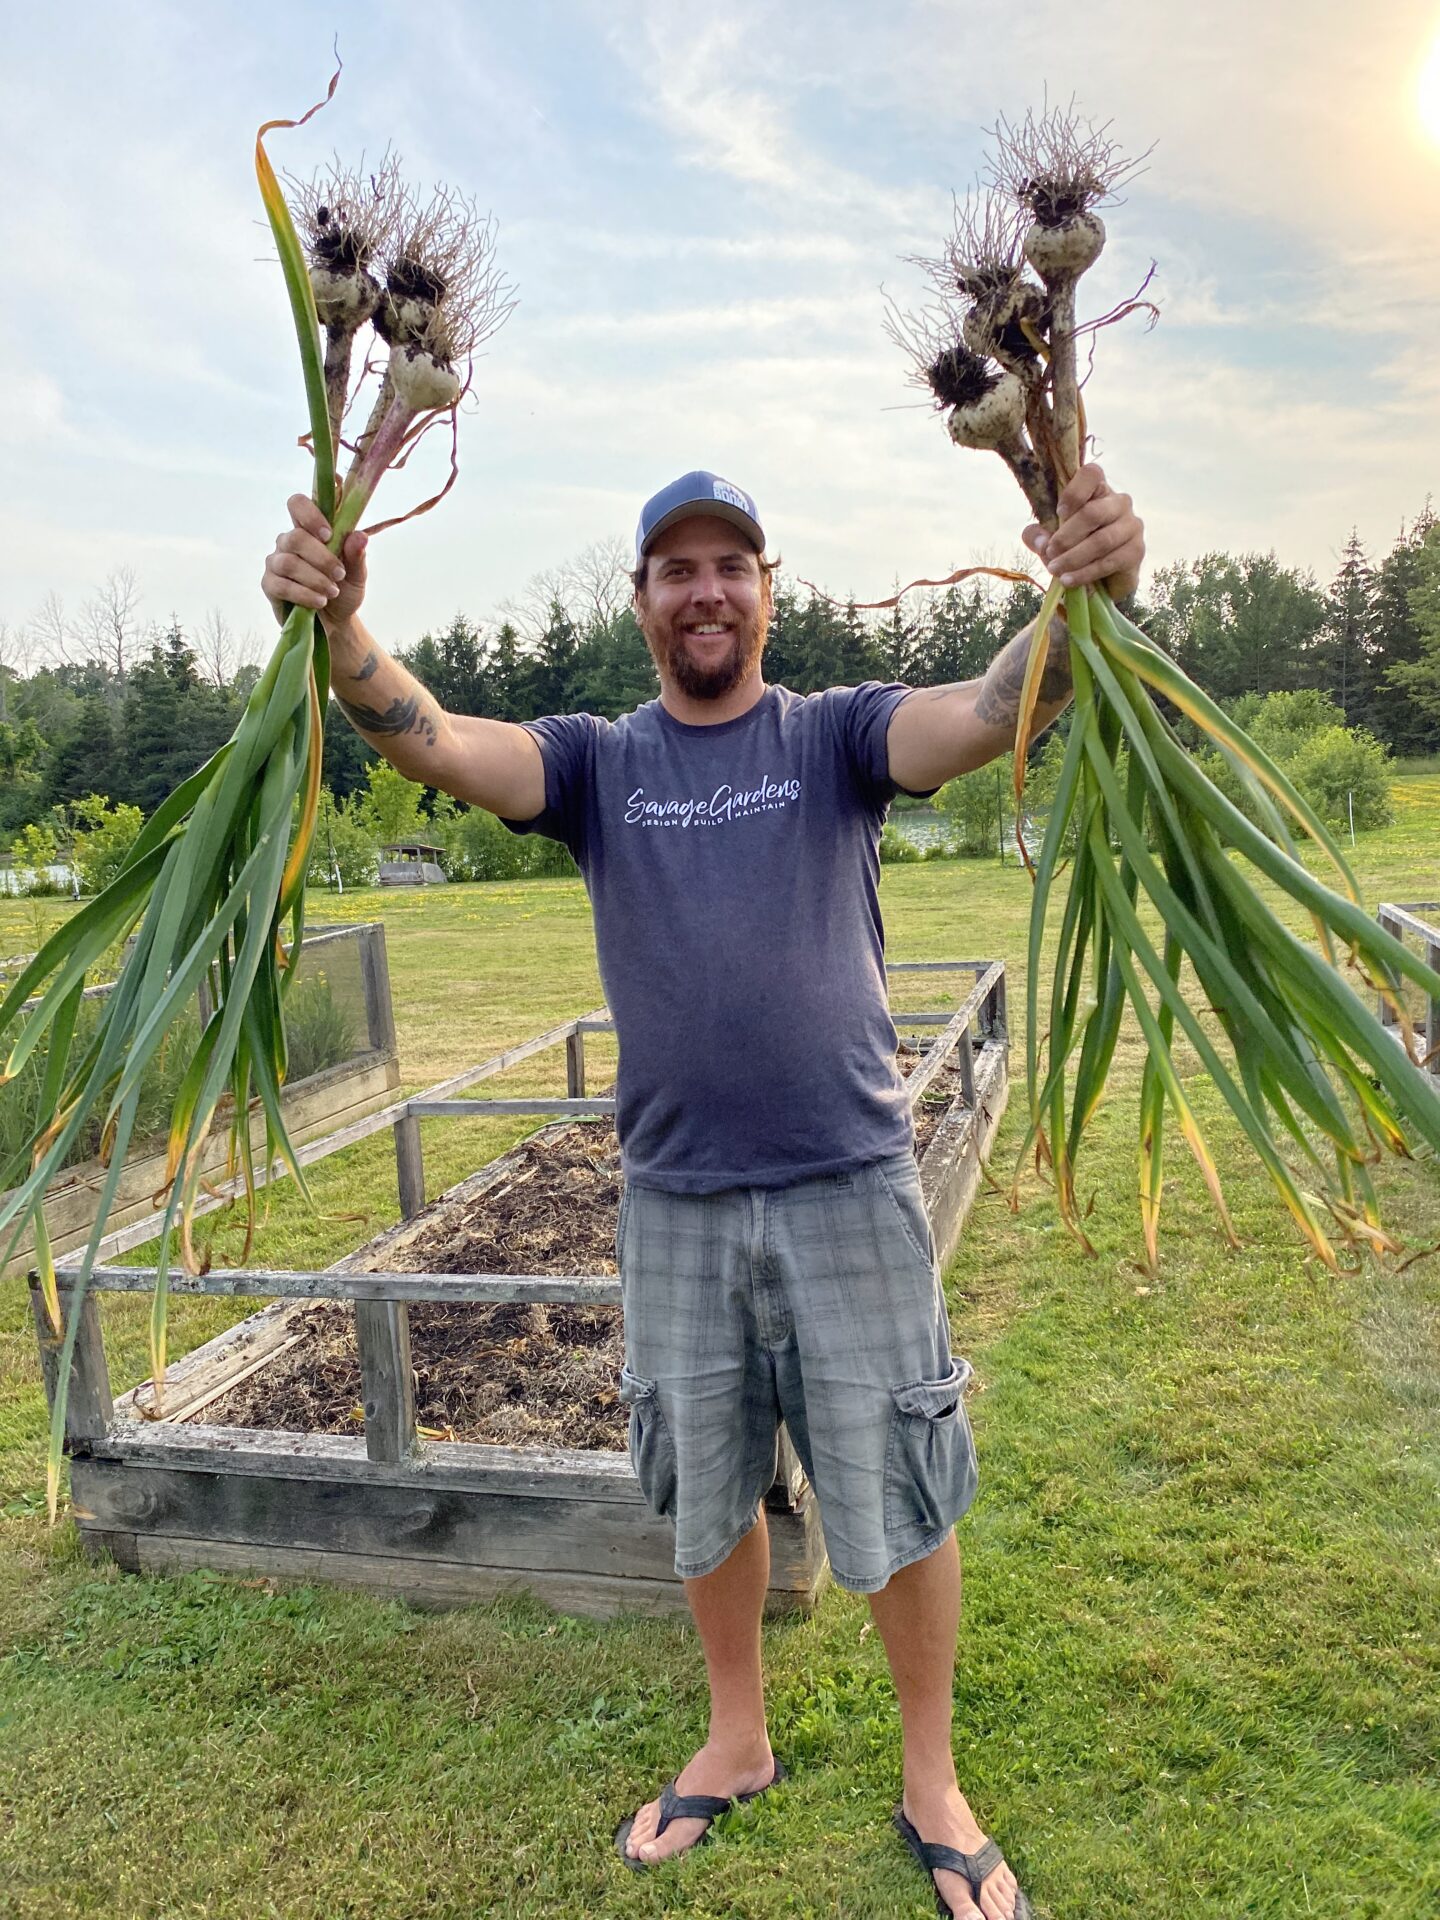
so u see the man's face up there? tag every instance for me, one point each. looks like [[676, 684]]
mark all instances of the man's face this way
[[705, 606]]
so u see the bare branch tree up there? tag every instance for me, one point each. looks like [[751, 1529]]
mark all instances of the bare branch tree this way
[[590, 590], [215, 648], [108, 623], [602, 581], [12, 650], [52, 632]]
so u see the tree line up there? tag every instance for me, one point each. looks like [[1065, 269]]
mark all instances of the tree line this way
[[94, 708]]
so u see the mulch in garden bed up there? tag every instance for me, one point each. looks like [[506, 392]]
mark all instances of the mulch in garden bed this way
[[513, 1375]]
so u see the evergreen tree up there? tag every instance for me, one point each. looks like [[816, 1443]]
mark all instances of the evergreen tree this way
[[172, 722], [1344, 652], [1399, 712], [614, 673], [84, 760], [1239, 623], [347, 758]]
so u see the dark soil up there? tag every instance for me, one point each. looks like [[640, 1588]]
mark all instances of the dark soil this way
[[513, 1375]]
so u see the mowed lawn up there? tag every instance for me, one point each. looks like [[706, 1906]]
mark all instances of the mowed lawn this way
[[1200, 1664]]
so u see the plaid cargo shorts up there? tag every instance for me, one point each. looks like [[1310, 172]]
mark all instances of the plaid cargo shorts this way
[[819, 1304]]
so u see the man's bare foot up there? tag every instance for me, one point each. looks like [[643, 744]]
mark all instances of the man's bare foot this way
[[723, 1772], [943, 1815]]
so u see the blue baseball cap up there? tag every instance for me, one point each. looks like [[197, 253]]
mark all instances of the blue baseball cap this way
[[697, 492]]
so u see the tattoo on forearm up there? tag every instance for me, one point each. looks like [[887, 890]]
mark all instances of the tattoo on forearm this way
[[998, 704], [366, 667], [403, 715]]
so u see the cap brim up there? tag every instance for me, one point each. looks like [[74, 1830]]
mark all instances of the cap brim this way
[[711, 509]]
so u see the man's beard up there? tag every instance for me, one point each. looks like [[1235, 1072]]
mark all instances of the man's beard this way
[[671, 653]]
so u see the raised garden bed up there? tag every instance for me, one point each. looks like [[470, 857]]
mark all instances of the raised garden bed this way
[[344, 985], [436, 1416]]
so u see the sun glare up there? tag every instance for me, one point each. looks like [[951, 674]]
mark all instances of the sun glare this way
[[1427, 92]]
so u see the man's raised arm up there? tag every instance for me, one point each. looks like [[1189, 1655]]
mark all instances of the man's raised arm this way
[[488, 763], [938, 733]]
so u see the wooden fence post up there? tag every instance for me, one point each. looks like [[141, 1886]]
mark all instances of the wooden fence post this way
[[375, 973], [575, 1066], [409, 1166], [88, 1408], [965, 1050], [1387, 1012], [382, 1328]]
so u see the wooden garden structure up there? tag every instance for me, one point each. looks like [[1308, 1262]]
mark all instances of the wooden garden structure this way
[[1417, 920], [315, 1107], [444, 1522]]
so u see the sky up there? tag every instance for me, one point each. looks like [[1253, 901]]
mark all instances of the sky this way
[[699, 207]]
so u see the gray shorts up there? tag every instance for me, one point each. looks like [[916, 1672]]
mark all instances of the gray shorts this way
[[818, 1304]]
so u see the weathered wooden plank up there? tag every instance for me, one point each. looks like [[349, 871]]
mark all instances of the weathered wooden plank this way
[[575, 1065], [1407, 919], [430, 1583], [382, 1329], [965, 1054], [419, 1522], [375, 977], [937, 966], [466, 1466], [212, 1369], [136, 1220], [119, 1547], [88, 1407], [575, 1290], [950, 1171], [409, 1166], [478, 1109], [939, 1052], [510, 1057]]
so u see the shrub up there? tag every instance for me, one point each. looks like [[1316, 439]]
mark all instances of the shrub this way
[[345, 844], [33, 852], [104, 835], [897, 849], [1340, 764], [390, 805], [978, 807], [1305, 734], [478, 847]]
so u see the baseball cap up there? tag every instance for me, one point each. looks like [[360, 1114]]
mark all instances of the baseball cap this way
[[697, 492]]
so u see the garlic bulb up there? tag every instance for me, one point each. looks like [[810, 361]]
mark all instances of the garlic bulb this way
[[994, 420], [422, 382], [1063, 251]]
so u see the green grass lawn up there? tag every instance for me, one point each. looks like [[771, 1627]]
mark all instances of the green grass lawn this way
[[1200, 1667]]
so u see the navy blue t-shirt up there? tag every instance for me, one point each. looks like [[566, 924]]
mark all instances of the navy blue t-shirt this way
[[734, 874]]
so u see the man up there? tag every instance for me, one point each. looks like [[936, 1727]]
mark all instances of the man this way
[[774, 1251]]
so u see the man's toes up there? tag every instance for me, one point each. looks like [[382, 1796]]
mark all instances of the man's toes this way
[[642, 1829], [956, 1894], [997, 1895], [679, 1835]]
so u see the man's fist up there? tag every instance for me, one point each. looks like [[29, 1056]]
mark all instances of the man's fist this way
[[302, 571], [1099, 538]]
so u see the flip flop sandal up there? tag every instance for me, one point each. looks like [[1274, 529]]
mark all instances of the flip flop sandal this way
[[975, 1867], [688, 1806]]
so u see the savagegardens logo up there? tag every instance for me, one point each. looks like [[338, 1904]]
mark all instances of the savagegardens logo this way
[[718, 809]]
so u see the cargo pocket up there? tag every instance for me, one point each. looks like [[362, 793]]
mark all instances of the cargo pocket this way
[[930, 1462], [652, 1452]]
